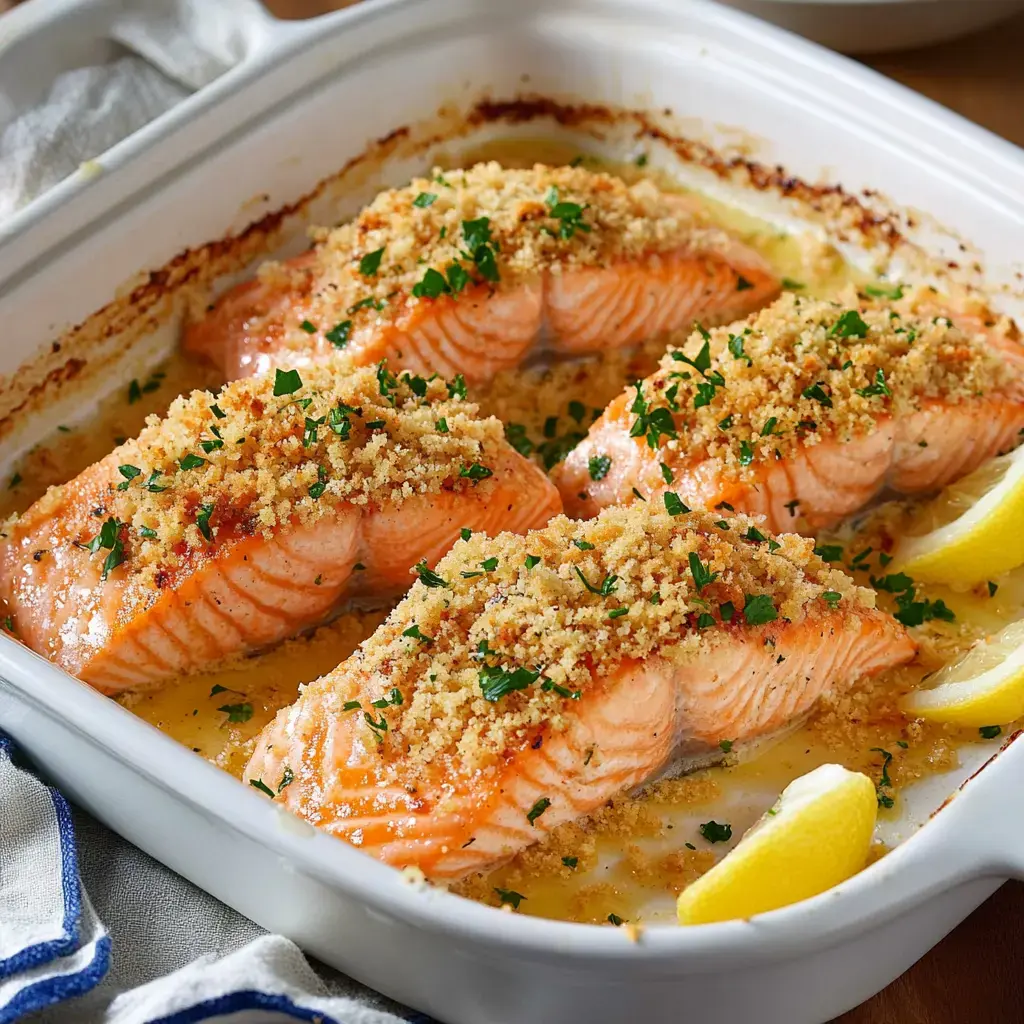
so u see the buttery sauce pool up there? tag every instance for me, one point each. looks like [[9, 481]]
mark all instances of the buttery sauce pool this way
[[629, 860]]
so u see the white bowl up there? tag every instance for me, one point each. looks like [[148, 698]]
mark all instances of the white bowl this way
[[878, 26]]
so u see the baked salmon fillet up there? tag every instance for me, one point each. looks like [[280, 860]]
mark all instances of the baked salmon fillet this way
[[468, 271], [806, 411], [245, 517], [532, 678]]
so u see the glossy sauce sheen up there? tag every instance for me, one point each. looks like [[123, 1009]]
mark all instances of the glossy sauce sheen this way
[[632, 857]]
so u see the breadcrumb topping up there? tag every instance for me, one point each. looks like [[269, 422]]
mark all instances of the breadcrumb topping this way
[[285, 447], [487, 227], [497, 642], [801, 371]]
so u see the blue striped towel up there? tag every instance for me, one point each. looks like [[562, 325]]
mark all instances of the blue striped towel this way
[[58, 961]]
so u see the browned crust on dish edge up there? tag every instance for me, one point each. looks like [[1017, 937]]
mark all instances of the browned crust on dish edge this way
[[81, 353]]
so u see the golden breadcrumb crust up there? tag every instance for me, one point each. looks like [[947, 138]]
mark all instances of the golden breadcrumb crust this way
[[566, 605], [280, 448], [803, 371]]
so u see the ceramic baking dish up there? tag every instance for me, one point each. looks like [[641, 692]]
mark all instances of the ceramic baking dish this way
[[305, 102]]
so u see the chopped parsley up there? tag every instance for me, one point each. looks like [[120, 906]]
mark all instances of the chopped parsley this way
[[477, 235], [109, 539], [879, 291], [759, 609], [652, 423], [583, 545], [509, 897], [616, 920], [791, 285], [392, 700], [431, 286], [262, 787], [989, 732], [884, 782], [457, 387], [701, 576], [237, 713], [537, 810], [666, 473], [608, 584], [427, 577], [316, 490], [496, 682], [736, 342], [599, 466], [832, 597], [849, 325], [339, 334], [191, 461], [617, 613], [475, 472], [287, 778], [818, 393], [673, 504], [879, 387], [414, 632], [746, 453], [424, 199], [441, 426], [992, 588], [128, 472], [203, 519], [286, 382], [570, 862], [531, 561], [829, 552], [370, 263], [725, 746], [569, 215], [308, 327], [714, 832], [742, 284]]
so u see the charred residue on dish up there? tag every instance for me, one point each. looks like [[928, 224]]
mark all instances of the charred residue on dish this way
[[163, 294]]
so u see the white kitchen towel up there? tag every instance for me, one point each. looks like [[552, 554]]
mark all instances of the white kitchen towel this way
[[52, 947], [160, 51], [174, 953]]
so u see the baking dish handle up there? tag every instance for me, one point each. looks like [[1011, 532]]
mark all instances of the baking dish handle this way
[[990, 825]]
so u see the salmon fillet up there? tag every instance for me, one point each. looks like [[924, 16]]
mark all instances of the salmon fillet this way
[[537, 676], [468, 271], [804, 412], [243, 518]]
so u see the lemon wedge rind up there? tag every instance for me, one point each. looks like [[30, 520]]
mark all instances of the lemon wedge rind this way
[[986, 540], [817, 835], [983, 687]]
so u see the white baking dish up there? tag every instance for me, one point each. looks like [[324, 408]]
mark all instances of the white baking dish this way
[[306, 100]]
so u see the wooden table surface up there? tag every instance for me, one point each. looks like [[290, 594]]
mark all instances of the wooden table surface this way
[[976, 974]]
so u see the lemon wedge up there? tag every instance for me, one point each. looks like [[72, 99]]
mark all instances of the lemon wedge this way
[[972, 530], [984, 686], [817, 834]]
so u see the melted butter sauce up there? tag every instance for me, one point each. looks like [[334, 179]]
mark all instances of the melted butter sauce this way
[[634, 856]]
